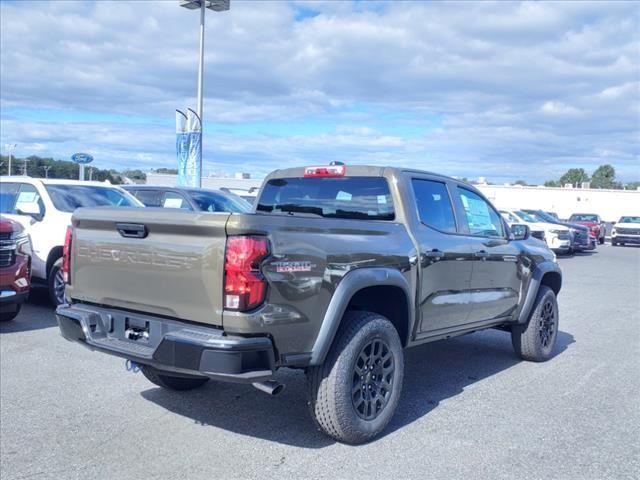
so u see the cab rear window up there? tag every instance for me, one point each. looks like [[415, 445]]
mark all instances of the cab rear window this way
[[357, 198]]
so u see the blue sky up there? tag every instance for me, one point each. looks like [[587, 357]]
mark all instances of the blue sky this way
[[501, 90]]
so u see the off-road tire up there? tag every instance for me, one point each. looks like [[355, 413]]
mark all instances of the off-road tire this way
[[52, 283], [8, 316], [171, 382], [334, 387], [533, 340]]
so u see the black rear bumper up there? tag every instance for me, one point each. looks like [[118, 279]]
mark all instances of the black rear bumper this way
[[169, 345]]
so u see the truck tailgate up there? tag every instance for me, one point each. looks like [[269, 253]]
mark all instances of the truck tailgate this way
[[174, 268]]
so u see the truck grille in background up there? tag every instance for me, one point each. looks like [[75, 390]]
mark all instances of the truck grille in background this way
[[5, 235], [538, 235], [7, 252], [564, 236], [628, 231]]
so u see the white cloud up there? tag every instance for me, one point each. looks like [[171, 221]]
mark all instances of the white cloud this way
[[503, 89]]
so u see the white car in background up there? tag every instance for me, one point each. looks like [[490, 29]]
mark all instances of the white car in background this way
[[557, 237], [44, 208], [626, 231]]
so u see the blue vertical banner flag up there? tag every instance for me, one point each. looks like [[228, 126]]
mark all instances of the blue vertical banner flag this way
[[189, 148]]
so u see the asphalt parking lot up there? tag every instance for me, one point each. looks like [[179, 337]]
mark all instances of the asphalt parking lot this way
[[470, 409]]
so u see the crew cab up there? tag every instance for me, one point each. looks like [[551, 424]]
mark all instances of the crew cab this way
[[44, 208], [15, 268], [593, 222], [626, 231], [338, 269]]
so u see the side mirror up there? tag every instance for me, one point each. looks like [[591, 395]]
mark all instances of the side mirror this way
[[31, 209], [520, 231]]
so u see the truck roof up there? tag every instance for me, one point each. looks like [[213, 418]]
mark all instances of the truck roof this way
[[355, 171]]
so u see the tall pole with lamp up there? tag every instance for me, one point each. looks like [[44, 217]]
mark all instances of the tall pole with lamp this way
[[216, 6], [11, 147]]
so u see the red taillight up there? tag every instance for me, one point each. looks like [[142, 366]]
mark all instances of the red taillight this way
[[328, 171], [244, 286], [66, 255]]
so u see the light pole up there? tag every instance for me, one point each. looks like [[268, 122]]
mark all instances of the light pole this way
[[216, 6], [46, 171], [11, 147]]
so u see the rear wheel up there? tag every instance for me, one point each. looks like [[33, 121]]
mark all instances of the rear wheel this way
[[354, 394], [534, 341], [56, 283], [172, 382], [614, 243]]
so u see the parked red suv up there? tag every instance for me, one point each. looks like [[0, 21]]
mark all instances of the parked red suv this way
[[593, 222], [15, 268]]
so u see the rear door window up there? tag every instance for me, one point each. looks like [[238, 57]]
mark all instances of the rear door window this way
[[434, 205], [358, 198], [67, 198]]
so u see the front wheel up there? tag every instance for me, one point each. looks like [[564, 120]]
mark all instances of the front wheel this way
[[55, 282], [354, 394], [172, 382], [534, 341]]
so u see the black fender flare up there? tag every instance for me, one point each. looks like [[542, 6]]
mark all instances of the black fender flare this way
[[350, 284], [534, 285]]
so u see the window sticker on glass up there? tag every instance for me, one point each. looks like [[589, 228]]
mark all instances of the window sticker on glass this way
[[344, 196], [382, 199], [173, 203], [27, 197]]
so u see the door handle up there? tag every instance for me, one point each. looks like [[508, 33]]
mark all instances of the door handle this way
[[481, 254], [132, 230], [435, 253]]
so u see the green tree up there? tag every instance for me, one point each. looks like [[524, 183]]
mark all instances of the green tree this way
[[167, 171], [551, 183], [574, 176], [632, 186], [520, 182], [604, 177]]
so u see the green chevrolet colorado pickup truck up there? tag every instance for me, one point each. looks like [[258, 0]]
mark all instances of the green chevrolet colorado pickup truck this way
[[335, 272]]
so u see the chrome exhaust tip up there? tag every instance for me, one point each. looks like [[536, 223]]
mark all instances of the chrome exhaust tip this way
[[270, 387]]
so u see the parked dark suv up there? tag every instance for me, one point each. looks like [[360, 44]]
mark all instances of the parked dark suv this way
[[193, 199], [580, 240]]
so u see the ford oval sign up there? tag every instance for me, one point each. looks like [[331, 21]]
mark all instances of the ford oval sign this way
[[82, 158]]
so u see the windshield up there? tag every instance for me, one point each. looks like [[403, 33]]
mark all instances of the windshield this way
[[579, 217], [525, 216], [629, 220], [335, 197], [67, 198], [209, 201]]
